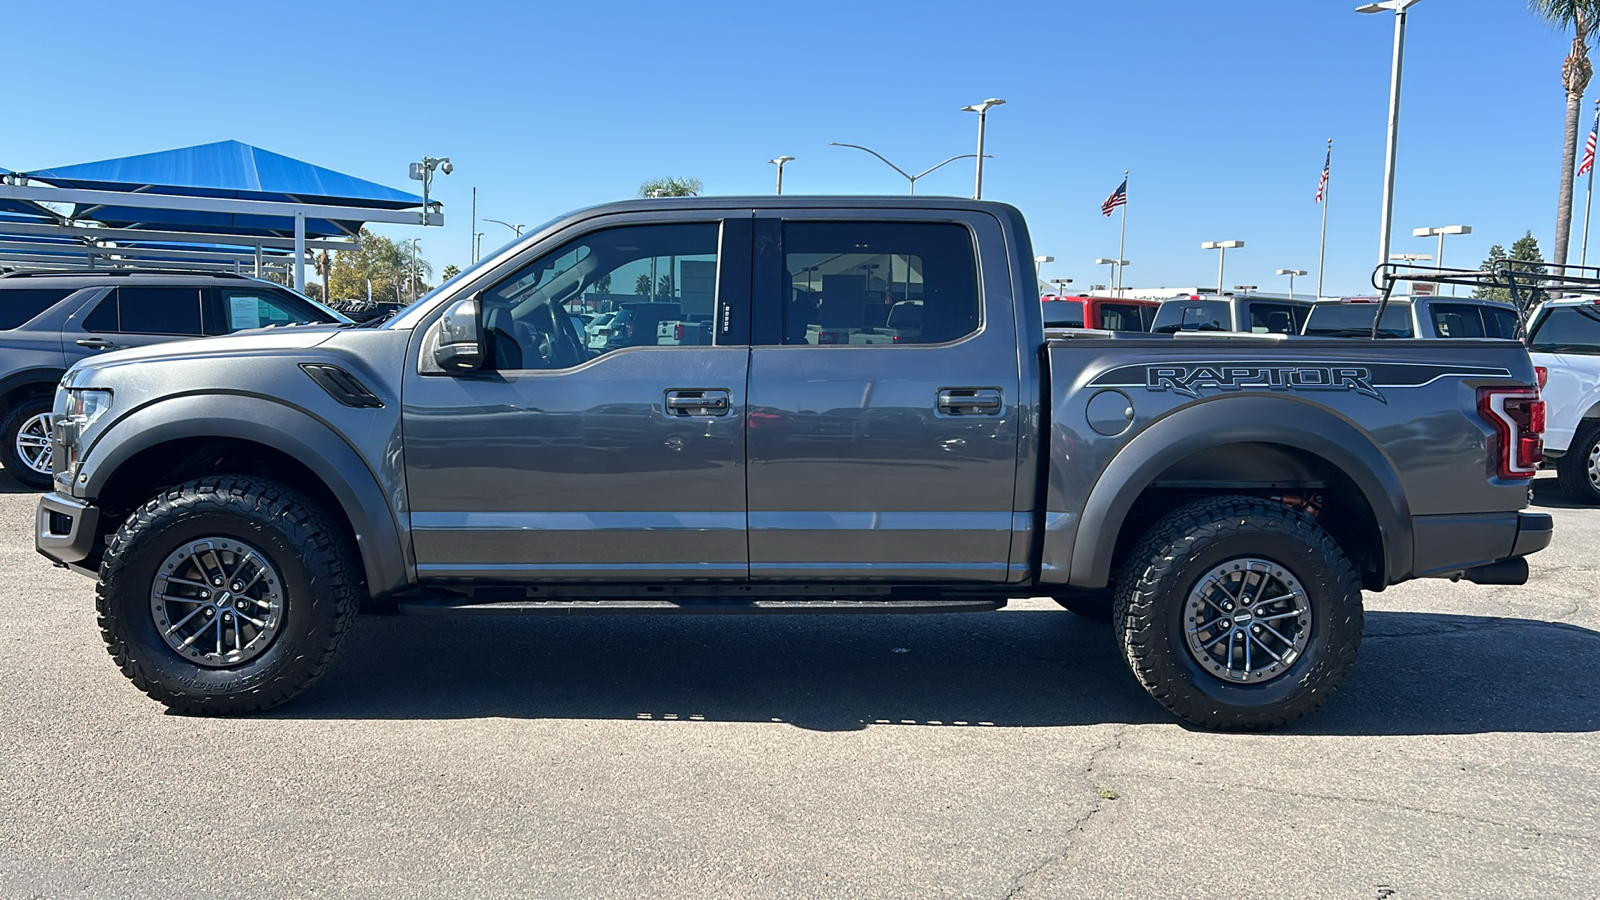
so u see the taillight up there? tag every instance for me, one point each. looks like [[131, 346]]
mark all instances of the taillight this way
[[1517, 415], [627, 330], [1541, 374], [677, 332], [827, 337]]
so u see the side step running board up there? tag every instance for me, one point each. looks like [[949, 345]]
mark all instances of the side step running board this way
[[734, 606]]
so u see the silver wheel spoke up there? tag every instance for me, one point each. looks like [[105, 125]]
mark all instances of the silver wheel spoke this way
[[184, 621], [1277, 635], [244, 618], [1275, 657], [1276, 616]]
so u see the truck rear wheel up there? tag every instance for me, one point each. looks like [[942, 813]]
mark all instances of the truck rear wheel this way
[[1579, 470], [1238, 614], [226, 595]]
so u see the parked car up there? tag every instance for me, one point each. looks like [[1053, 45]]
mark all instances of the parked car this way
[[1564, 340], [598, 331], [50, 320], [1228, 312], [1420, 317], [1222, 501], [636, 324], [1107, 313]]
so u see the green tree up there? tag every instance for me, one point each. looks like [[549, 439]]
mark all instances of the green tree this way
[[664, 286], [641, 285], [1528, 262], [676, 187], [385, 264], [1582, 17], [450, 272], [603, 285]]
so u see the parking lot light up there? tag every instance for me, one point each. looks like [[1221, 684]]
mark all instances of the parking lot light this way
[[1399, 7], [1291, 273], [1440, 232], [779, 163], [1222, 248], [982, 109]]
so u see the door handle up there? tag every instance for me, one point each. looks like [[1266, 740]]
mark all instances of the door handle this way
[[970, 401], [95, 343], [698, 403]]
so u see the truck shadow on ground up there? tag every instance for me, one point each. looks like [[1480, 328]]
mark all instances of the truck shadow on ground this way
[[1417, 673], [9, 485]]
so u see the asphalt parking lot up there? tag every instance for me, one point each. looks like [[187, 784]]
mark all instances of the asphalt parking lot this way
[[979, 755]]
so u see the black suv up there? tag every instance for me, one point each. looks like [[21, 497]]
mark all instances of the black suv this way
[[50, 320]]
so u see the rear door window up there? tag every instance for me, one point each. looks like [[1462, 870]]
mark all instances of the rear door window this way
[[148, 310], [1500, 323], [20, 305], [1568, 329], [879, 283], [1272, 318], [1355, 320]]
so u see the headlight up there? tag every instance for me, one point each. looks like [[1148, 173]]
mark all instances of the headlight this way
[[75, 413]]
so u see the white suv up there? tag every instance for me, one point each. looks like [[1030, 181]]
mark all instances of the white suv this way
[[1564, 338]]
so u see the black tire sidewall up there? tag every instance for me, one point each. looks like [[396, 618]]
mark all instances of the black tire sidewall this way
[[1329, 617], [1573, 468], [306, 617], [10, 425]]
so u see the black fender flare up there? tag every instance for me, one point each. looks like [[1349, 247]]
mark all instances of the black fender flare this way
[[42, 376], [282, 427], [1267, 419]]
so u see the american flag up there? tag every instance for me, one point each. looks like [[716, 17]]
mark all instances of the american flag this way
[[1118, 198], [1588, 149], [1322, 185]]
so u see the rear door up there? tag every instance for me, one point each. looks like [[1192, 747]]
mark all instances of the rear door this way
[[135, 316], [883, 399]]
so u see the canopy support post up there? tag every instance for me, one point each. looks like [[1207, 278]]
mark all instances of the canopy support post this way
[[300, 251]]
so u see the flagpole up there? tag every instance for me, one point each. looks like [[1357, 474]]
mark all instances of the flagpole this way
[[1588, 199], [1322, 251], [1123, 240]]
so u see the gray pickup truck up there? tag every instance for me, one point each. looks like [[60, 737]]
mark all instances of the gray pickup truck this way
[[1222, 498]]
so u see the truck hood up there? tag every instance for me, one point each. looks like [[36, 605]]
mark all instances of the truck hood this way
[[300, 337]]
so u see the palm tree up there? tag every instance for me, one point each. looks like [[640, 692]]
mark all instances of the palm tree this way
[[1582, 16], [671, 187]]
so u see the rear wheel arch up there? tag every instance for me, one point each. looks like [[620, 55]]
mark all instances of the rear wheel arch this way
[[204, 435], [1284, 443]]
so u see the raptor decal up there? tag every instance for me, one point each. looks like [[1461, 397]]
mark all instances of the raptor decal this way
[[1190, 378]]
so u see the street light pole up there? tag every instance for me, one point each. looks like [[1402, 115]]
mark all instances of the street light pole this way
[[903, 173], [982, 109], [1116, 265], [779, 163], [1061, 285], [517, 228], [1399, 7], [1441, 231], [1222, 248], [1291, 273]]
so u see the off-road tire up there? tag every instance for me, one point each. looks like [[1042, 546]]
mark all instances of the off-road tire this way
[[1168, 563], [10, 424], [1572, 469], [1092, 605], [320, 593]]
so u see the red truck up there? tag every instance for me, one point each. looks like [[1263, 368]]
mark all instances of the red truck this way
[[1109, 313]]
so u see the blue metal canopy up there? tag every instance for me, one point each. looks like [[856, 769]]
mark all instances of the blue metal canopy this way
[[228, 169]]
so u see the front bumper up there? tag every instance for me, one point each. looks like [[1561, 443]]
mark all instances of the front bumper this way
[[65, 529]]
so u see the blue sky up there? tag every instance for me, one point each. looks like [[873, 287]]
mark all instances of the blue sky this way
[[1221, 110]]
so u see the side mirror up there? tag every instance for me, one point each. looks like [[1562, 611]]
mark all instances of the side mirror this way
[[460, 337]]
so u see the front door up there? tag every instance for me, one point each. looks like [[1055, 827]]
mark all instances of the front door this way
[[883, 401], [567, 460]]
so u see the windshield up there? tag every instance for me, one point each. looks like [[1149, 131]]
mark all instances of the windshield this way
[[1192, 315], [1355, 320], [488, 259]]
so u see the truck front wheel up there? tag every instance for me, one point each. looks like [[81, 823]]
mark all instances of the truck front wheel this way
[[1238, 614], [226, 595]]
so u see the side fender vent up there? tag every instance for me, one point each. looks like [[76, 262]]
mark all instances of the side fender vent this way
[[342, 386]]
